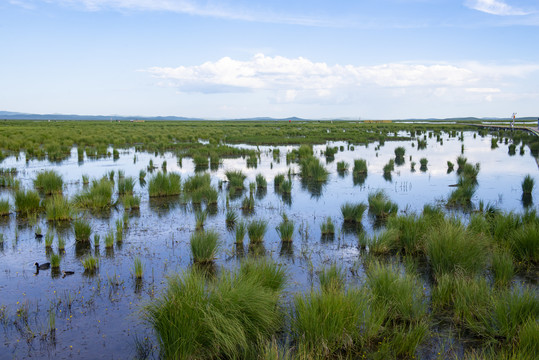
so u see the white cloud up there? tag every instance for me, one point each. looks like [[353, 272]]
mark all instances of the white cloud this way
[[206, 8], [495, 7], [300, 74], [284, 80]]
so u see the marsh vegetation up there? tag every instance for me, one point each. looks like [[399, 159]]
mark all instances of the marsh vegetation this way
[[179, 224]]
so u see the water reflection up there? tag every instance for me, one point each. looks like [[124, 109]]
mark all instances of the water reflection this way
[[527, 201], [315, 188], [287, 249], [163, 205]]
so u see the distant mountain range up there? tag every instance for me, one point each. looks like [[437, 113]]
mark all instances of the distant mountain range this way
[[8, 115]]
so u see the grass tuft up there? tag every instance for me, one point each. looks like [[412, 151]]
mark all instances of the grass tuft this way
[[204, 246]]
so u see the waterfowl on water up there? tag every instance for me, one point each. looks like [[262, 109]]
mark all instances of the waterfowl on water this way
[[67, 273], [42, 266], [39, 236]]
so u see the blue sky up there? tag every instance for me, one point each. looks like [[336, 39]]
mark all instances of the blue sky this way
[[232, 59]]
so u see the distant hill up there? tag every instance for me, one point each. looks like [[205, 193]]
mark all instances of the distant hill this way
[[24, 116], [9, 115]]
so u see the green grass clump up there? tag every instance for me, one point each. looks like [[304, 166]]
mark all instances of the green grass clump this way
[[423, 162], [248, 203], [389, 167], [200, 219], [126, 185], [109, 240], [342, 167], [27, 202], [82, 230], [55, 261], [312, 169], [399, 152], [528, 184], [256, 230], [229, 318], [360, 167], [380, 206], [411, 230], [142, 175], [332, 279], [286, 187], [353, 212], [204, 245], [235, 179], [462, 195], [278, 180], [49, 182], [452, 249], [164, 184], [59, 208], [7, 181], [195, 182], [524, 244], [468, 173], [261, 182], [61, 243], [384, 243], [5, 207], [131, 202], [241, 230], [327, 227], [266, 272], [90, 264], [97, 197], [285, 229], [231, 218], [138, 268], [400, 296], [333, 324], [502, 267]]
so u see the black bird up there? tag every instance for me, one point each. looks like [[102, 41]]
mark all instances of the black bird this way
[[67, 273], [45, 266], [39, 236]]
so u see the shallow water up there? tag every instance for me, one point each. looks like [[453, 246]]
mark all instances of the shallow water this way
[[99, 314]]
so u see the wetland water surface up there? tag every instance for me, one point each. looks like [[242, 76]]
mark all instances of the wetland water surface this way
[[98, 315]]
